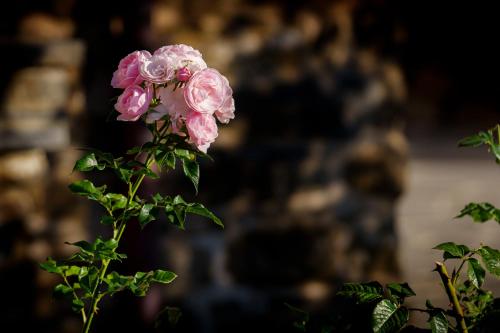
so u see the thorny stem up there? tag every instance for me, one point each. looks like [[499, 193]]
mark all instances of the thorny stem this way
[[84, 317], [452, 296], [456, 274], [117, 235]]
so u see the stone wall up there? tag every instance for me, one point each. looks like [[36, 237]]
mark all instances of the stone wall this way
[[306, 177], [41, 101]]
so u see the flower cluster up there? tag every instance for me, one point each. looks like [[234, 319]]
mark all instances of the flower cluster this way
[[174, 84]]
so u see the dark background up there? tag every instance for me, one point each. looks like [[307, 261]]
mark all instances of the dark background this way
[[332, 98]]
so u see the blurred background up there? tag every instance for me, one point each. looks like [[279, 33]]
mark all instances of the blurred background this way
[[341, 164]]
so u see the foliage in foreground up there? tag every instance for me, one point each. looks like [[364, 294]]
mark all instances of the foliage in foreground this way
[[371, 307]]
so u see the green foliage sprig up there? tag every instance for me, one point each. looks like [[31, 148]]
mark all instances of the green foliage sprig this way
[[86, 279], [471, 308]]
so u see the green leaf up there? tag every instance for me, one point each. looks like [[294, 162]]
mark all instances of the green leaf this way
[[106, 158], [158, 199], [83, 245], [72, 270], [87, 163], [165, 159], [124, 174], [452, 250], [204, 155], [62, 290], [495, 149], [388, 317], [107, 220], [77, 305], [170, 160], [162, 276], [400, 290], [109, 245], [178, 200], [147, 214], [98, 250], [117, 282], [146, 147], [177, 208], [192, 170], [180, 216], [140, 283], [480, 303], [88, 278], [480, 212], [96, 159], [146, 172], [81, 257], [362, 292], [51, 266], [183, 154], [176, 217], [438, 322], [199, 209], [106, 250], [87, 189], [476, 140], [475, 272], [114, 201], [485, 138], [134, 150], [491, 259]]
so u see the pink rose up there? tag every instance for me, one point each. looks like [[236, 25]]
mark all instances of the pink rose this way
[[183, 74], [128, 71], [206, 91], [202, 129], [183, 56], [172, 103], [157, 68], [226, 112], [133, 102]]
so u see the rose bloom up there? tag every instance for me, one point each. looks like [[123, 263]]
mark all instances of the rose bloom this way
[[226, 112], [206, 91], [128, 71], [202, 129], [183, 56], [133, 102], [157, 68], [172, 103], [183, 74]]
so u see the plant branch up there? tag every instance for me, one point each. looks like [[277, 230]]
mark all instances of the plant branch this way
[[84, 317], [455, 276], [452, 296], [117, 235]]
